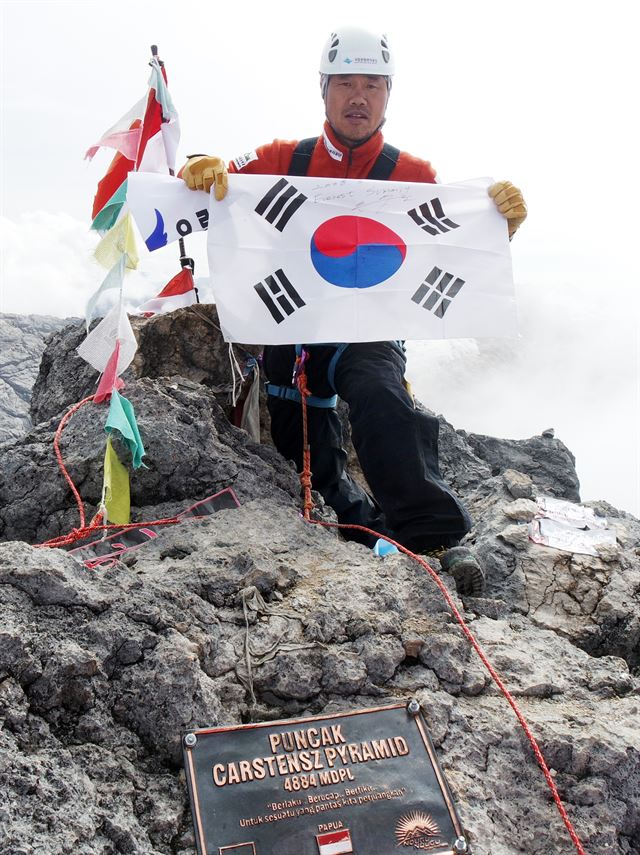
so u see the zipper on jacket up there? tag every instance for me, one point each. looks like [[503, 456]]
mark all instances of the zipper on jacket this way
[[349, 161]]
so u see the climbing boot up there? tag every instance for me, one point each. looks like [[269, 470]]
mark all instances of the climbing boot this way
[[465, 569]]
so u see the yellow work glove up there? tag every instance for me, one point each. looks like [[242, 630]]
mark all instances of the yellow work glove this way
[[202, 171], [510, 203]]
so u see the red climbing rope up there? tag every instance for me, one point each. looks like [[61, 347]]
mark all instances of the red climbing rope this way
[[77, 534], [485, 661], [96, 525], [56, 446], [305, 480], [300, 374]]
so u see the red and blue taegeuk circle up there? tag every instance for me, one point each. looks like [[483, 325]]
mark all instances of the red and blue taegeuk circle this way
[[356, 252]]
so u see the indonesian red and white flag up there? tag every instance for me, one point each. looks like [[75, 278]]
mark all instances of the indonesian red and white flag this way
[[311, 260], [176, 294], [335, 842]]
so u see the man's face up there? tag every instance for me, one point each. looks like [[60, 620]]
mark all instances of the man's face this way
[[355, 105]]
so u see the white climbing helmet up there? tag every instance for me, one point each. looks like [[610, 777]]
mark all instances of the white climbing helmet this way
[[353, 50]]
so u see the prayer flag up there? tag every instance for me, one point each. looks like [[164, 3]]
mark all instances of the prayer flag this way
[[113, 279], [109, 379], [146, 139], [122, 418], [311, 260], [176, 294], [109, 186], [98, 346], [159, 111], [120, 240], [107, 217], [116, 496], [124, 135]]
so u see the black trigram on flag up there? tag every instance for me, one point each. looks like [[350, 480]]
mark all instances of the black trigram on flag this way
[[280, 204], [431, 218], [279, 296], [437, 291]]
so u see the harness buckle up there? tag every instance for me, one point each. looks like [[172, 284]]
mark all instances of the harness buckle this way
[[299, 365]]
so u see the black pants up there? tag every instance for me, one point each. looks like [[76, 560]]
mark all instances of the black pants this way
[[397, 445]]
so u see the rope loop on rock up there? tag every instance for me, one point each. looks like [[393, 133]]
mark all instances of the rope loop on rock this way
[[97, 524], [63, 468]]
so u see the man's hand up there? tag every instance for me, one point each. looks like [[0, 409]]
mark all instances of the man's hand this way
[[201, 172], [510, 203]]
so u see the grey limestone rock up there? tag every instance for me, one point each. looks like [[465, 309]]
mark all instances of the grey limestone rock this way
[[546, 460], [254, 614], [22, 342], [192, 452], [102, 671], [520, 486]]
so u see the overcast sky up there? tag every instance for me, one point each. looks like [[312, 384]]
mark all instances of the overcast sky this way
[[541, 93]]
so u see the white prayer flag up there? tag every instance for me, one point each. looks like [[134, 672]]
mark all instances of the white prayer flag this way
[[113, 279], [311, 260], [98, 346]]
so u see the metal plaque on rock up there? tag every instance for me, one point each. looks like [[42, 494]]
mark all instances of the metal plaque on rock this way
[[365, 782]]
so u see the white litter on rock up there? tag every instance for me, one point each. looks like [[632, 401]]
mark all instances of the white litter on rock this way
[[569, 527]]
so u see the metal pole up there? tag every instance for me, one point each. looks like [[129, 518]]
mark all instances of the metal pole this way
[[185, 261]]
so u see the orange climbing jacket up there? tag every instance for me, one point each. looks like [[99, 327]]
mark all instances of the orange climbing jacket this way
[[331, 159]]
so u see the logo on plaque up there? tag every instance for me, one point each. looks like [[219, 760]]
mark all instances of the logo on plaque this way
[[419, 830]]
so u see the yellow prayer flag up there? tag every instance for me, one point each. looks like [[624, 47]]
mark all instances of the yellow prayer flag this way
[[120, 240], [115, 491]]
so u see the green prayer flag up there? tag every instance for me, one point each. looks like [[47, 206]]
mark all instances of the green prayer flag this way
[[122, 418], [107, 217]]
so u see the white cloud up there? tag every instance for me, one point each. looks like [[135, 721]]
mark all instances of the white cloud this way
[[48, 267], [575, 368]]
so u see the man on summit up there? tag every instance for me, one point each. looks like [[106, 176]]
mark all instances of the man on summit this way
[[396, 444]]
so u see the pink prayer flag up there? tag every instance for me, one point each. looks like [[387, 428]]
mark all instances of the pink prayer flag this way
[[109, 379], [125, 142]]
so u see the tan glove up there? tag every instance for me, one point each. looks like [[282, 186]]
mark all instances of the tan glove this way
[[202, 171], [510, 203]]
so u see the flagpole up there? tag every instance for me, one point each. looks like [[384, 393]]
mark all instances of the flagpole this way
[[185, 261]]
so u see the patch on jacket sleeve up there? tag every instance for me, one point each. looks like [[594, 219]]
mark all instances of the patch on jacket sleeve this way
[[241, 161]]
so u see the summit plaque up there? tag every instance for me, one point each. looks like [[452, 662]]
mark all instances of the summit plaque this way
[[365, 782]]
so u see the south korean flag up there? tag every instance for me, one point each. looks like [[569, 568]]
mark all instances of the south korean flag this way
[[310, 260]]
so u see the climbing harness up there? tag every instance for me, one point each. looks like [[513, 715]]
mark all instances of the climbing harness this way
[[380, 171]]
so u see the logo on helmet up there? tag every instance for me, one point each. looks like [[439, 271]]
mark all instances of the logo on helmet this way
[[335, 41]]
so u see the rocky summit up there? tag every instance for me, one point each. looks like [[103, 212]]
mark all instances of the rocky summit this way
[[253, 614]]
